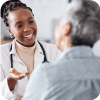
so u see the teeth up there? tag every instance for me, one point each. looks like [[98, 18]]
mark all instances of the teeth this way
[[28, 36]]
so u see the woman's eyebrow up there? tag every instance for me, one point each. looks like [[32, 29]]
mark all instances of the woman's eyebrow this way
[[18, 22], [21, 21], [29, 18]]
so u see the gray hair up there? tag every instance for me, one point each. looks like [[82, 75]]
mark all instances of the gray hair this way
[[84, 16]]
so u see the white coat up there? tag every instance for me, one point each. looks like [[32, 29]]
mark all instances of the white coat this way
[[51, 53]]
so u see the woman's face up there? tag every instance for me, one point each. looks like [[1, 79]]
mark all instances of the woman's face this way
[[58, 34], [22, 26]]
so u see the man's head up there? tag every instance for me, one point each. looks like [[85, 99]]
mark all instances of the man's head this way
[[80, 25]]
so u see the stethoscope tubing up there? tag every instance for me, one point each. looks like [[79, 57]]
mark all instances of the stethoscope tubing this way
[[45, 59]]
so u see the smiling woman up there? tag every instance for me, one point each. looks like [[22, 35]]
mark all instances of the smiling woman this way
[[22, 25], [22, 55]]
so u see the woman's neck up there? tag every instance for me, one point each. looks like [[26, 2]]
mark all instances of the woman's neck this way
[[24, 45]]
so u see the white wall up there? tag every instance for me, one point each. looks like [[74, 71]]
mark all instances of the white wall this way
[[45, 12], [96, 48], [4, 30]]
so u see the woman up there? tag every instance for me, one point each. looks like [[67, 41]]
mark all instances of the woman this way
[[76, 74], [24, 53]]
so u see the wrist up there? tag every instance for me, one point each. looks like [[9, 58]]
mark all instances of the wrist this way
[[11, 83]]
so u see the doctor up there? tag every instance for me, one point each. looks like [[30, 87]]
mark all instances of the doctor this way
[[20, 58]]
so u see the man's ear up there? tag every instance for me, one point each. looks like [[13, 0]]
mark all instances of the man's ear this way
[[9, 30], [67, 29]]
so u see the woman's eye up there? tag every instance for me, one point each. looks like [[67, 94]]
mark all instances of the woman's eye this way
[[31, 21], [19, 26]]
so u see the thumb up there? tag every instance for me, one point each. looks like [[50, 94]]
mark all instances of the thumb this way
[[12, 70]]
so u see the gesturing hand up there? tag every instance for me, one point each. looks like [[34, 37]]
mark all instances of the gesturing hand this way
[[13, 76]]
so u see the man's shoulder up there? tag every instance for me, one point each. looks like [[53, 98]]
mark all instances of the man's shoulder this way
[[49, 67], [74, 67]]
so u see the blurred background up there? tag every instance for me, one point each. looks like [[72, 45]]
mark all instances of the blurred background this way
[[47, 14]]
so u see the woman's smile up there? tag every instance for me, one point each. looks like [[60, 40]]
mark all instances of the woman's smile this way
[[28, 36]]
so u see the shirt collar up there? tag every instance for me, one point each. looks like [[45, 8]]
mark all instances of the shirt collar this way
[[77, 51], [25, 49], [38, 48]]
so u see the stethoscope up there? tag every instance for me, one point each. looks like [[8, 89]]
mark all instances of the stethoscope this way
[[45, 59]]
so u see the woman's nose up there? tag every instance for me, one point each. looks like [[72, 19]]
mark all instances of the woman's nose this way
[[27, 28]]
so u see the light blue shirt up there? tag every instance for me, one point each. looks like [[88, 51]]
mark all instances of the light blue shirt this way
[[74, 76]]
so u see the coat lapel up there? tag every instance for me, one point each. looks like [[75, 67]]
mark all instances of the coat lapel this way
[[15, 55], [39, 57]]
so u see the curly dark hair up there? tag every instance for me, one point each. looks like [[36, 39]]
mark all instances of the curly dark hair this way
[[9, 6]]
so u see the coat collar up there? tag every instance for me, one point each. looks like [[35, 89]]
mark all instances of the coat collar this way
[[39, 57], [13, 51], [78, 52]]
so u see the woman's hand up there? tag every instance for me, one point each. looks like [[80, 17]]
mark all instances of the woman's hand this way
[[14, 75]]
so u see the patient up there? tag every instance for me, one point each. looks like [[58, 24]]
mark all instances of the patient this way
[[76, 74]]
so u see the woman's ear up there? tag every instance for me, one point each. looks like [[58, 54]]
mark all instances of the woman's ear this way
[[67, 29], [9, 30]]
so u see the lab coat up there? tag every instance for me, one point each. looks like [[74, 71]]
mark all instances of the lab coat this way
[[52, 53]]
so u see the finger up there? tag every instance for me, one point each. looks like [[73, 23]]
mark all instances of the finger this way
[[11, 70], [12, 76], [26, 73], [16, 77], [21, 76]]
